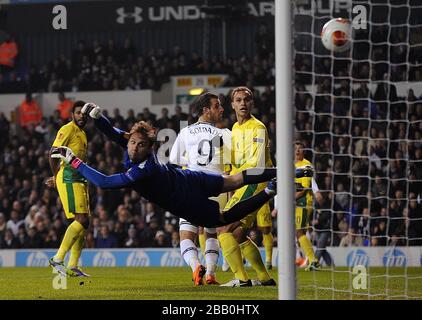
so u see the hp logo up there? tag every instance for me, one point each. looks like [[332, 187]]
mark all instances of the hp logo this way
[[394, 258], [357, 257], [172, 259], [37, 259], [104, 259], [137, 259]]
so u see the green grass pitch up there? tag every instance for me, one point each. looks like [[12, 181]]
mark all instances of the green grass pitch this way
[[160, 283]]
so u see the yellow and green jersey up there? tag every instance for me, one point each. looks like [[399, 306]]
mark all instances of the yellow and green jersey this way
[[306, 182], [73, 137], [250, 146], [250, 149]]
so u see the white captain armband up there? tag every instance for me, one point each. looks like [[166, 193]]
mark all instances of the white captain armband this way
[[136, 172]]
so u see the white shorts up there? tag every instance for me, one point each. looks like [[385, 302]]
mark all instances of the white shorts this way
[[185, 225]]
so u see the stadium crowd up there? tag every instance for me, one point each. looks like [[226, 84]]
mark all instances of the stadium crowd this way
[[366, 147], [98, 67], [365, 143], [31, 214], [368, 171]]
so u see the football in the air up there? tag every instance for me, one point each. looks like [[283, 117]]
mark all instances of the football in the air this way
[[336, 35]]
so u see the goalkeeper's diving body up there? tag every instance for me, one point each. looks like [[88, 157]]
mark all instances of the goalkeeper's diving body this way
[[184, 193]]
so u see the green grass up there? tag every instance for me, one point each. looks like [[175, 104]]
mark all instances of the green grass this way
[[382, 283], [175, 283]]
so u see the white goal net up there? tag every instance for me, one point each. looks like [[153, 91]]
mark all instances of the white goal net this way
[[359, 114]]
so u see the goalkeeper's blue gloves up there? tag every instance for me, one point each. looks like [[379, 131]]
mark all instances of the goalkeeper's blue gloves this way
[[92, 110], [67, 155], [306, 171]]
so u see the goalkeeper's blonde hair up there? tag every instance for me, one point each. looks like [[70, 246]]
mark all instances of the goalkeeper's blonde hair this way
[[146, 130]]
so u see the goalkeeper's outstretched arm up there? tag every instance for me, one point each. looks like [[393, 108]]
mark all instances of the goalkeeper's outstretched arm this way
[[115, 181], [104, 125], [113, 133]]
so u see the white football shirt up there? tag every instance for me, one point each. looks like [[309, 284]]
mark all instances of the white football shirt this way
[[202, 147]]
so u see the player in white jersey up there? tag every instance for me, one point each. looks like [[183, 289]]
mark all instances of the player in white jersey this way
[[203, 147]]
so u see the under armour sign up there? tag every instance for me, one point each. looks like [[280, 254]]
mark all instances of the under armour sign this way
[[122, 15]]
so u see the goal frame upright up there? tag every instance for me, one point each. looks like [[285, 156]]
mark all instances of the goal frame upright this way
[[284, 152]]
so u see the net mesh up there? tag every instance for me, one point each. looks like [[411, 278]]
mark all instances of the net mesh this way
[[359, 114]]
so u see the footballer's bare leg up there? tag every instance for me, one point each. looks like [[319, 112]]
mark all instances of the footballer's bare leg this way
[[229, 228], [247, 206], [248, 176]]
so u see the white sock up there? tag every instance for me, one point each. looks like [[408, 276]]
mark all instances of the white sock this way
[[189, 253], [57, 260], [212, 249]]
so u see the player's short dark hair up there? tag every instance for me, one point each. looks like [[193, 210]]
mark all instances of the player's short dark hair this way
[[77, 104], [146, 130], [300, 143], [238, 89], [202, 101]]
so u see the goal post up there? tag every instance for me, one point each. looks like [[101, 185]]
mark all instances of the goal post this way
[[359, 114], [284, 153]]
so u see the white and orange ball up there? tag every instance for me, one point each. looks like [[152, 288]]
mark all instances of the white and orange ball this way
[[336, 35]]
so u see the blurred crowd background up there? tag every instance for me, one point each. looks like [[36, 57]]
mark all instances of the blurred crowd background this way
[[32, 215], [363, 137]]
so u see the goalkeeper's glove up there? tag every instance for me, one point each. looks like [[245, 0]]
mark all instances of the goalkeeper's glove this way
[[306, 171], [67, 155], [92, 109]]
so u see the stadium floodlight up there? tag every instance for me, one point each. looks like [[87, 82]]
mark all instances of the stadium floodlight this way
[[284, 153], [196, 91]]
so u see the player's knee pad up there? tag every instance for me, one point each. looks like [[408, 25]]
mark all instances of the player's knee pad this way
[[185, 225], [210, 230]]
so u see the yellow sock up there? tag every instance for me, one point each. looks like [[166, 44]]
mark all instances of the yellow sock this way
[[307, 248], [233, 255], [267, 241], [76, 250], [251, 253], [71, 235], [201, 240]]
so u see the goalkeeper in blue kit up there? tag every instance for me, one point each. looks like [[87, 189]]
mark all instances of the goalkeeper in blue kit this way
[[184, 193]]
